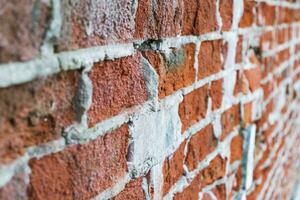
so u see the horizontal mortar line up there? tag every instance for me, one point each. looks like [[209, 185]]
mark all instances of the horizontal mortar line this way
[[214, 184], [114, 190], [280, 3], [181, 185], [22, 72], [281, 47], [77, 59], [9, 170], [254, 29]]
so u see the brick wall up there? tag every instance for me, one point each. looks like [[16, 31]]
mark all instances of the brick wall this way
[[149, 99]]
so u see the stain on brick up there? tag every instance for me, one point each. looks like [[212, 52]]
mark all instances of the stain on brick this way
[[175, 69]]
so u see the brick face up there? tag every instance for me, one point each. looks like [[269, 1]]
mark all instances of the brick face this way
[[23, 25], [117, 85], [211, 57], [175, 69], [193, 107], [149, 99], [200, 145], [35, 113], [80, 172]]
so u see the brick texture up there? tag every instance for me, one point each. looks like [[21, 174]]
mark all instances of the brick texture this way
[[149, 99]]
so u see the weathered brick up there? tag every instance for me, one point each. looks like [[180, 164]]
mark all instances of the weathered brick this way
[[213, 172], [230, 119], [247, 113], [176, 69], [241, 85], [248, 15], [133, 190], [213, 63], [173, 168], [199, 17], [216, 93], [253, 77], [226, 12], [15, 189], [266, 41], [193, 107], [239, 50], [158, 19], [266, 14], [23, 25], [117, 85], [95, 22], [200, 145], [236, 149], [80, 171], [36, 112]]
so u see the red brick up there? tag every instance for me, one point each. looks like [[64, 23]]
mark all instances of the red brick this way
[[23, 25], [213, 172], [133, 191], [247, 113], [34, 113], [158, 19], [117, 85], [201, 144], [199, 17], [210, 57], [216, 93], [254, 77], [241, 85], [81, 171], [220, 192], [248, 15], [173, 168], [176, 70], [266, 14], [15, 189], [239, 50], [230, 119], [90, 23], [266, 41], [226, 12], [236, 149], [193, 107]]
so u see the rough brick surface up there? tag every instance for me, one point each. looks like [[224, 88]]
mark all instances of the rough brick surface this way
[[23, 25], [133, 190], [117, 85], [35, 113], [211, 57], [193, 107], [149, 99], [80, 172], [175, 69], [200, 145]]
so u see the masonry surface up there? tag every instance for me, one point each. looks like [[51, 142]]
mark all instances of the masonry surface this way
[[149, 99]]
